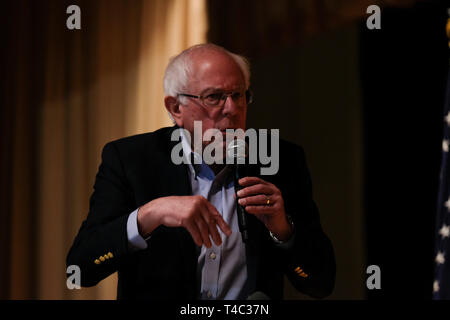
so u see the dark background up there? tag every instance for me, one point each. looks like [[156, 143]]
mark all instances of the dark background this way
[[367, 106], [403, 75]]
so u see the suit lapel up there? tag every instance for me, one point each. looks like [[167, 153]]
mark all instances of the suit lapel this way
[[175, 179], [176, 182]]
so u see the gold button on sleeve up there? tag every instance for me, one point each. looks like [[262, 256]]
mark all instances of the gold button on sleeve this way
[[96, 261]]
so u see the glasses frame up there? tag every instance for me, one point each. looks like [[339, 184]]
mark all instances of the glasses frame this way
[[248, 98]]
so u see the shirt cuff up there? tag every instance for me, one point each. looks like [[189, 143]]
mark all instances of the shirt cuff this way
[[135, 240]]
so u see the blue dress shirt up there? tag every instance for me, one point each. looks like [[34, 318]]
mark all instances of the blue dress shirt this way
[[221, 270]]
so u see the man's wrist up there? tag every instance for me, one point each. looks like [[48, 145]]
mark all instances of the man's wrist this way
[[285, 235], [147, 219], [140, 223]]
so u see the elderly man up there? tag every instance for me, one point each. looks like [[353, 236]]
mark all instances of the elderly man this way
[[172, 231]]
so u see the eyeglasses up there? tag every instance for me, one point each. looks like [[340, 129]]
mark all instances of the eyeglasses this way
[[218, 99]]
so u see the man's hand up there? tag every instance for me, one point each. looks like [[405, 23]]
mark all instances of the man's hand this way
[[194, 213], [264, 200]]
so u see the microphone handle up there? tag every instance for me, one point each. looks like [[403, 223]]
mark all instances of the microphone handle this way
[[242, 215]]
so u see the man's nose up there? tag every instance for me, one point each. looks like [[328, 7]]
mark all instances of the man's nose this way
[[230, 106]]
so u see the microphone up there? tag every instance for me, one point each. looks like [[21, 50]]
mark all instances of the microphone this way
[[237, 150]]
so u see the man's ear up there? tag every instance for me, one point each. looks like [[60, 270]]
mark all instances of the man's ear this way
[[173, 107]]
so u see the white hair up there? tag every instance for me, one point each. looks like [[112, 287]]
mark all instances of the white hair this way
[[177, 73]]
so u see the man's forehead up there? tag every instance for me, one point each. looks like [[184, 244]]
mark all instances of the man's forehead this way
[[204, 86], [207, 58], [215, 70]]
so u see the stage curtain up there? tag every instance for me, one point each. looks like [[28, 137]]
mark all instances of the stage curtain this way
[[67, 93]]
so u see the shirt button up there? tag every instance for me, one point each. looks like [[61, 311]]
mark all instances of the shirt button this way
[[209, 294], [212, 255]]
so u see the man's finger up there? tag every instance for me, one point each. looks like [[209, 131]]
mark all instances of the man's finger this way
[[263, 210], [210, 221], [260, 199], [255, 190], [219, 219], [195, 234], [204, 232], [248, 181], [214, 232], [223, 225]]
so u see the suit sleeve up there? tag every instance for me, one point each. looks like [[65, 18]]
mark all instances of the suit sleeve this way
[[101, 243], [310, 263]]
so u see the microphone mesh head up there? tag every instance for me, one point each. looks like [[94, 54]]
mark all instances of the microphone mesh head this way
[[237, 149]]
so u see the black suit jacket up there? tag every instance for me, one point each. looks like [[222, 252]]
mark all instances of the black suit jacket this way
[[138, 169]]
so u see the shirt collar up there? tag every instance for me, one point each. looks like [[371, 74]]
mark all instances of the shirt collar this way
[[196, 165]]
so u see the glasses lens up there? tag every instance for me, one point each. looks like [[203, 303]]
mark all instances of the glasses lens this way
[[237, 96], [218, 99], [212, 99]]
